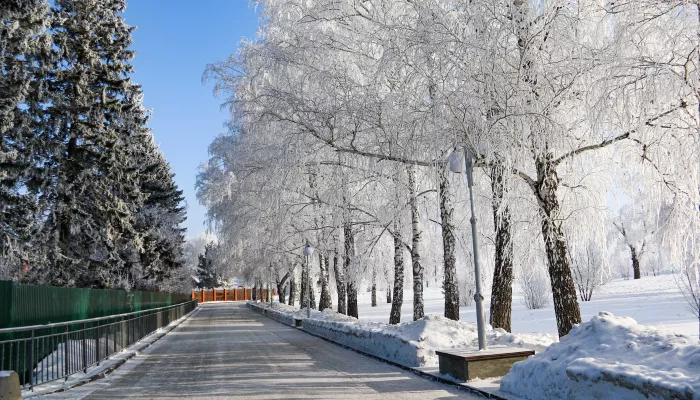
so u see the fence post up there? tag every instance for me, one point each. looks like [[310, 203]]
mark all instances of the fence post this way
[[225, 298]]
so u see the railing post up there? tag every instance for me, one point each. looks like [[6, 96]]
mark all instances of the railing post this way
[[84, 347], [31, 363], [66, 353], [107, 342], [97, 343]]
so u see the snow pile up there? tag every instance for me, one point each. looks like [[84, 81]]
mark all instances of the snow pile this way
[[410, 343], [610, 358]]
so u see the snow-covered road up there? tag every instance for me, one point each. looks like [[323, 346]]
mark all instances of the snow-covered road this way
[[226, 350]]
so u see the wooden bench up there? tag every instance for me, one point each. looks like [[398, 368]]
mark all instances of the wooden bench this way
[[468, 364]]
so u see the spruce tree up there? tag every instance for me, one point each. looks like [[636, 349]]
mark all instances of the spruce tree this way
[[160, 216], [205, 269], [94, 193], [24, 55]]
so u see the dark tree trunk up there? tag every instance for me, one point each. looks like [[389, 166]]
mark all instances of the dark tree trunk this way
[[325, 301], [635, 262], [312, 292], [502, 289], [65, 217], [350, 275], [418, 312], [566, 308], [450, 285], [280, 287], [395, 316], [302, 295], [292, 289], [374, 287], [352, 300], [340, 285], [388, 287]]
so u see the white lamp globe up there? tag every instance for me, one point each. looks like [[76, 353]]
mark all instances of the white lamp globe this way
[[308, 250], [457, 161]]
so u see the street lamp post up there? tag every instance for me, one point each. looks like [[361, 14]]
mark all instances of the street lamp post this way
[[456, 165], [308, 251]]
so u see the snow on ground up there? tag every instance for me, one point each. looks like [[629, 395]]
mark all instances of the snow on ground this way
[[652, 300], [610, 357], [410, 343]]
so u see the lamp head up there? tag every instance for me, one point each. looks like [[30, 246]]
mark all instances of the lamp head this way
[[308, 251], [457, 162]]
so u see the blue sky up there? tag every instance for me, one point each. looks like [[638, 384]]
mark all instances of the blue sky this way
[[175, 40]]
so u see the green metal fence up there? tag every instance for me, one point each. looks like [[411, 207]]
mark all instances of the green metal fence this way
[[23, 305]]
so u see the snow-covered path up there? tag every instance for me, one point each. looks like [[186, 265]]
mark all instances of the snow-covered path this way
[[226, 350]]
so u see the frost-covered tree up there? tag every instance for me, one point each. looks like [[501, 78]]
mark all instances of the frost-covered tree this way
[[587, 267], [206, 269], [552, 97], [158, 220], [80, 193], [25, 54], [636, 230]]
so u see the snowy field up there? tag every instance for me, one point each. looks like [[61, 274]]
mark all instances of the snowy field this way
[[652, 300]]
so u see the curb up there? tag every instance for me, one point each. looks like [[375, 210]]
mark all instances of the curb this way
[[132, 352], [422, 374]]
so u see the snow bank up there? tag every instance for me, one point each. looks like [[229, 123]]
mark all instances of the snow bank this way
[[411, 344], [611, 358], [278, 315]]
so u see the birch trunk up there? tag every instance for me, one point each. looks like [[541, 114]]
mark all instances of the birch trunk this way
[[388, 287], [280, 286], [566, 306], [395, 315], [450, 285], [312, 292], [302, 295], [415, 247], [325, 300], [340, 284], [350, 276], [352, 300], [635, 262], [374, 287], [292, 289], [502, 289]]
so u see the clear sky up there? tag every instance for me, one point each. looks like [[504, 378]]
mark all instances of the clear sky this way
[[175, 40]]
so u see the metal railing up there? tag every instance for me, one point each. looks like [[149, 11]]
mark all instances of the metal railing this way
[[45, 353]]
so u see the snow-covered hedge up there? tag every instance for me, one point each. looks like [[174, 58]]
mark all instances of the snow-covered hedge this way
[[412, 344], [611, 358], [279, 316]]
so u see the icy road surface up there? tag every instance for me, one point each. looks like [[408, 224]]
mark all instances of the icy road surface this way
[[226, 350]]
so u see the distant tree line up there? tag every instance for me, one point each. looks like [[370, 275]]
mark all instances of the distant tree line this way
[[86, 197]]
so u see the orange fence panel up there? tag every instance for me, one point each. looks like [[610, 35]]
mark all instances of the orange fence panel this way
[[237, 294]]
